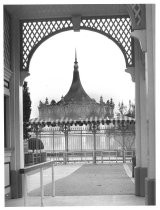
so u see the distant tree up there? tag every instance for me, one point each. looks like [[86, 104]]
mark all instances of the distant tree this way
[[125, 134], [26, 110], [35, 144], [131, 110], [123, 110]]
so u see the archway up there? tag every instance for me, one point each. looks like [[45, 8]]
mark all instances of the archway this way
[[88, 59], [58, 66]]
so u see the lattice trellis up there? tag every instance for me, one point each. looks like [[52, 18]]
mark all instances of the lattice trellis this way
[[118, 29], [35, 32], [137, 13], [7, 41]]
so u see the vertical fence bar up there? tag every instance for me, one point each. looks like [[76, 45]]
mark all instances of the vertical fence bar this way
[[81, 144], [41, 185], [123, 147], [101, 157], [40, 159], [53, 182], [94, 147], [36, 159], [53, 145]]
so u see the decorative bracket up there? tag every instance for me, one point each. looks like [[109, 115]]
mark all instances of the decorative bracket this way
[[23, 75], [131, 70], [141, 36]]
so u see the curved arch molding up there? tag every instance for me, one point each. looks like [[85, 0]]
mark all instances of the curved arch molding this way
[[118, 29]]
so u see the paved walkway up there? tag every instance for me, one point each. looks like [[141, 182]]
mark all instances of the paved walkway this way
[[86, 185], [89, 179], [101, 200]]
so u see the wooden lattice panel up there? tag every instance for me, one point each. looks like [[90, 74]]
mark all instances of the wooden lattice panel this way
[[34, 33], [7, 41], [118, 29], [137, 13]]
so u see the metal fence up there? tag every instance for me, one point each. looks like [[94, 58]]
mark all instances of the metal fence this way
[[80, 144]]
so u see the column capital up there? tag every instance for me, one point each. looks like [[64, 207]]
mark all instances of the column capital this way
[[131, 71], [23, 75], [141, 36]]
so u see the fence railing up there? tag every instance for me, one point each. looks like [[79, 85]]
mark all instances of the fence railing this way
[[33, 169], [80, 145]]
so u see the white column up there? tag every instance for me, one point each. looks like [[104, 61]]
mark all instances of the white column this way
[[16, 111], [138, 111], [141, 122], [16, 101], [141, 119], [150, 83], [150, 182], [144, 145]]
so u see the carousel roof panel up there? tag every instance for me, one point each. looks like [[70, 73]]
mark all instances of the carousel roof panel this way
[[76, 92]]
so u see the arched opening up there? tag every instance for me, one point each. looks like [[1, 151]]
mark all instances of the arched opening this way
[[101, 68], [101, 63]]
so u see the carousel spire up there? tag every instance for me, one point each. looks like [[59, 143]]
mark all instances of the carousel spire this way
[[75, 55], [75, 62]]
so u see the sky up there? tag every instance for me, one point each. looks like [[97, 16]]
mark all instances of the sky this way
[[101, 68]]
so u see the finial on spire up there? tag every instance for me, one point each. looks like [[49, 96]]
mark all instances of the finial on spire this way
[[75, 55], [75, 62]]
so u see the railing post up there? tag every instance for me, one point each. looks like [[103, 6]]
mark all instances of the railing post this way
[[41, 185], [53, 182], [101, 157], [36, 147], [116, 156]]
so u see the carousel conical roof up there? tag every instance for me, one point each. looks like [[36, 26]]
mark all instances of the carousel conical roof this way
[[76, 92]]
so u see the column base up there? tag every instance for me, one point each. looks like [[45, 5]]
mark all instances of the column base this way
[[150, 191], [143, 175], [137, 180], [16, 184], [140, 175]]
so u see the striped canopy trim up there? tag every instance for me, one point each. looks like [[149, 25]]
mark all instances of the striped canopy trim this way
[[82, 121]]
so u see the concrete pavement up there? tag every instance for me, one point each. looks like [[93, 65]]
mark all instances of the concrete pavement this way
[[85, 185]]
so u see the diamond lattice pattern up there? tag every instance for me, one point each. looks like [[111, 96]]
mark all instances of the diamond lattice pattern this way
[[7, 41], [117, 28], [35, 32]]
